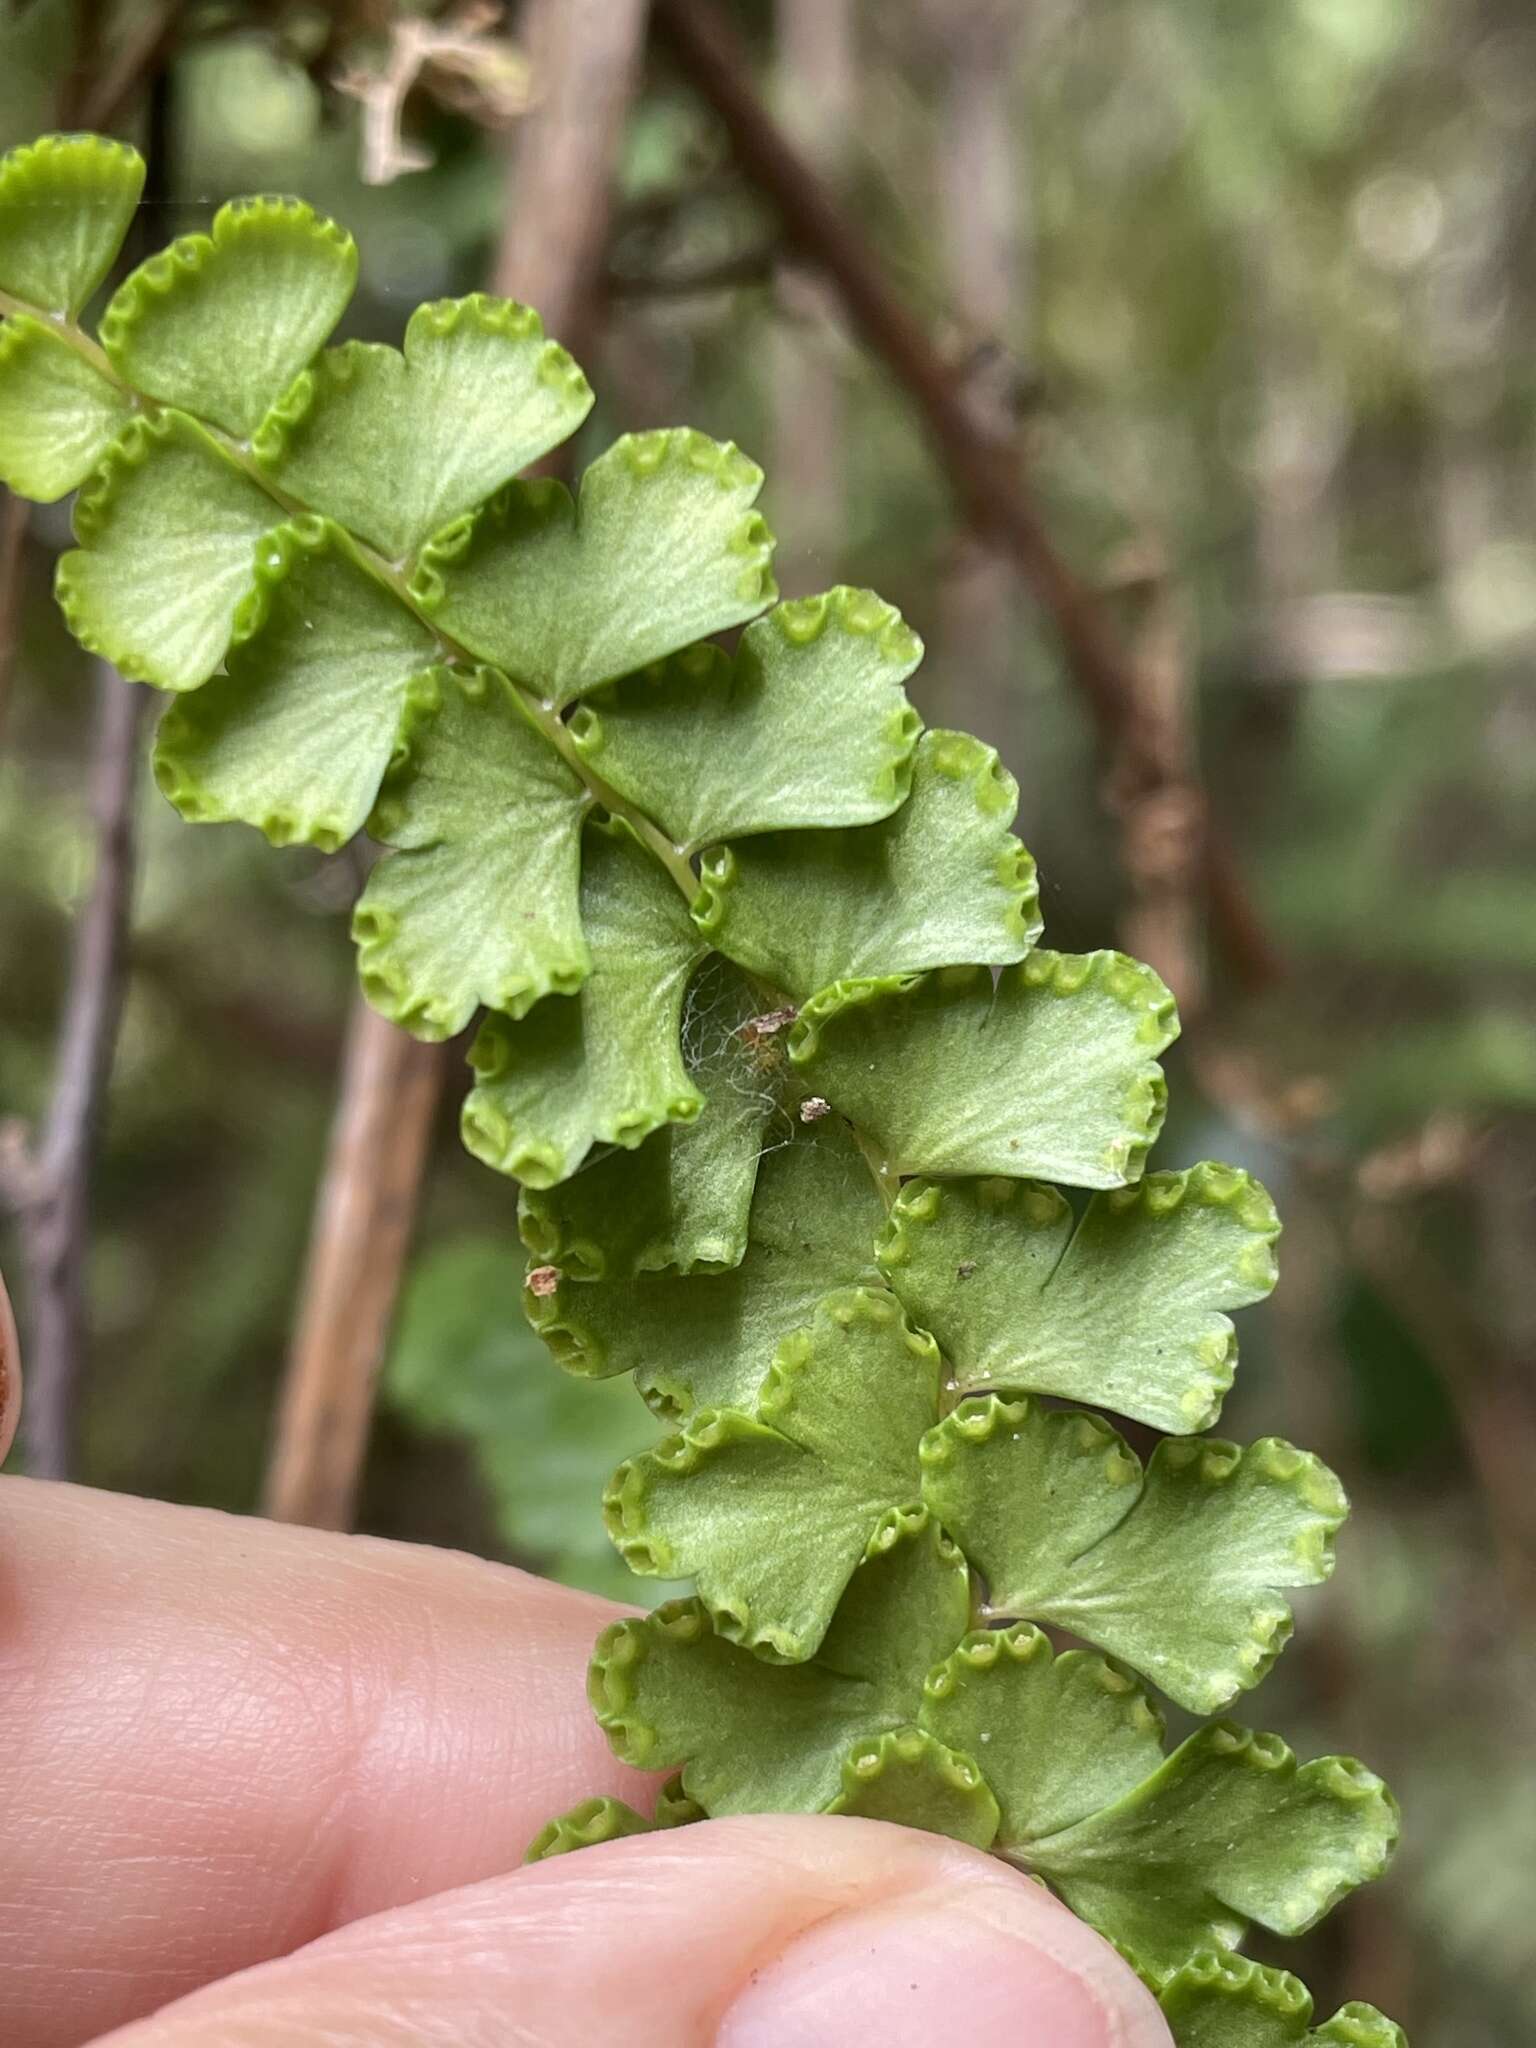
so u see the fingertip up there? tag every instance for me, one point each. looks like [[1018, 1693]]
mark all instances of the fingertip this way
[[763, 1932], [220, 1738], [976, 1952], [10, 1373]]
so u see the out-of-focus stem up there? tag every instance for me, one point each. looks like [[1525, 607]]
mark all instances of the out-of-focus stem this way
[[586, 55]]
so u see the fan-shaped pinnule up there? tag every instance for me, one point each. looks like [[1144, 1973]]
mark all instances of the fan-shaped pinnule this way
[[1048, 1069], [1176, 1569], [1124, 1307], [66, 202], [221, 324], [397, 444], [1223, 2001]]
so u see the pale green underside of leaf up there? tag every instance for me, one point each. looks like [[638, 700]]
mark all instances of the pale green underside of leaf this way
[[809, 725], [604, 1066], [222, 323], [66, 202], [1123, 1310], [1174, 1856], [168, 528], [681, 1200], [909, 1778], [1175, 1571], [771, 1512], [1166, 1858], [481, 904], [1058, 1738], [1052, 1072], [756, 1738], [394, 446], [708, 1340], [1230, 1830], [661, 549], [941, 882], [1226, 2001], [58, 414], [295, 736]]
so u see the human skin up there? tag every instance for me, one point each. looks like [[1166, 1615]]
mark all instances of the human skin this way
[[267, 1788], [10, 1373]]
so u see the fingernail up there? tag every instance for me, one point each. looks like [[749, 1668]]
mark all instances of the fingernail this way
[[983, 1964]]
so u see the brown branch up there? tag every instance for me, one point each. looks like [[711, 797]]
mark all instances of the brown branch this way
[[586, 54], [1160, 817], [816, 80], [47, 1183], [586, 59], [984, 472], [982, 198], [145, 54], [364, 1217]]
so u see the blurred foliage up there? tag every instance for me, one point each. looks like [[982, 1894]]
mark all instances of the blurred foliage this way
[[465, 1363], [1273, 283]]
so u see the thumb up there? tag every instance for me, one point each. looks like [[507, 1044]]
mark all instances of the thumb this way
[[769, 1932]]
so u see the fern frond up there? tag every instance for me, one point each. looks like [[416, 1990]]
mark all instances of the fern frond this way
[[804, 1118]]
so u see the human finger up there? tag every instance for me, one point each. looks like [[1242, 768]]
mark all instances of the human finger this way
[[10, 1372], [220, 1738], [772, 1932]]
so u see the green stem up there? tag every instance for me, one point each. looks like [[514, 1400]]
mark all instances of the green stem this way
[[74, 336]]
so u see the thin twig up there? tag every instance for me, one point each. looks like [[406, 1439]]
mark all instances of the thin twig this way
[[586, 60], [816, 81], [585, 54], [47, 1183], [474, 68], [145, 53], [1160, 817], [984, 472], [982, 200], [364, 1217]]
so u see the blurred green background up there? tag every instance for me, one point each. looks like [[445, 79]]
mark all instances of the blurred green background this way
[[1253, 291]]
